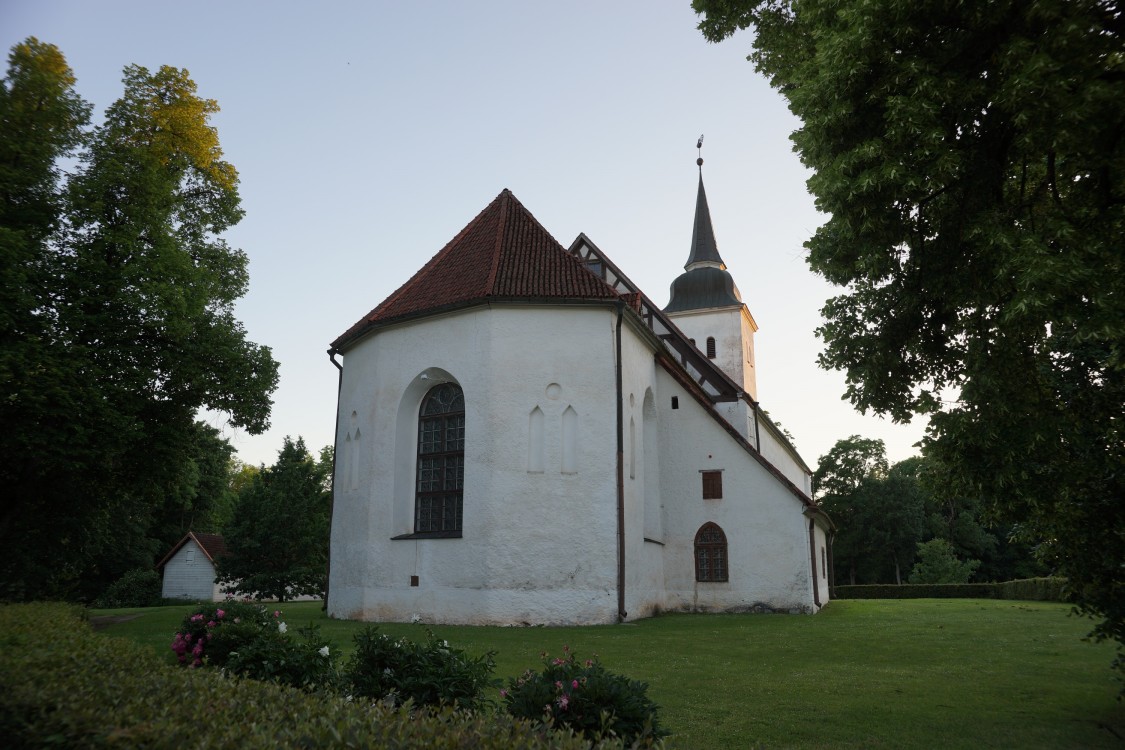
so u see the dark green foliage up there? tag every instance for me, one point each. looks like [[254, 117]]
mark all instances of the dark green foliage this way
[[302, 661], [971, 162], [117, 325], [878, 511], [427, 674], [198, 636], [277, 538], [586, 698], [67, 687], [938, 563], [1031, 589], [140, 587], [248, 640], [1035, 589]]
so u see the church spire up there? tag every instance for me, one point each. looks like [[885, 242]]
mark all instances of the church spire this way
[[704, 249]]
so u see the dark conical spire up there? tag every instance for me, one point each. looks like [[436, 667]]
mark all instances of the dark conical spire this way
[[704, 249], [705, 282]]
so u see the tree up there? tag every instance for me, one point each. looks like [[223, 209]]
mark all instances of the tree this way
[[278, 537], [971, 160], [841, 470], [120, 325], [938, 563], [878, 510]]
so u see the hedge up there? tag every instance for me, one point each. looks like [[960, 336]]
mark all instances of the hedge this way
[[64, 686], [1033, 589]]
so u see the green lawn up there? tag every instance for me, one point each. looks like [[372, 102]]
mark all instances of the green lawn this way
[[959, 673]]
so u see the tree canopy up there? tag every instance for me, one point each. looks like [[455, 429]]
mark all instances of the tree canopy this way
[[117, 322], [277, 539], [878, 511], [971, 160]]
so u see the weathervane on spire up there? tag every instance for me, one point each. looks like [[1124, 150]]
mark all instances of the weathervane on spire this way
[[699, 145]]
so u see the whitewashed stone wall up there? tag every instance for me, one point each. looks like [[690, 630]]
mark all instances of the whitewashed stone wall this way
[[539, 542]]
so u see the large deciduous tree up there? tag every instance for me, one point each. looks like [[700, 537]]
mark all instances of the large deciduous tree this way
[[278, 537], [878, 511], [117, 324], [971, 160]]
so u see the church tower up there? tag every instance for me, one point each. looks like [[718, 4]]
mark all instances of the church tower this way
[[705, 303]]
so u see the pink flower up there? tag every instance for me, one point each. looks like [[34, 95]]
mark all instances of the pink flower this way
[[219, 613], [558, 685], [197, 618], [574, 684], [503, 693], [563, 702], [277, 613], [210, 623]]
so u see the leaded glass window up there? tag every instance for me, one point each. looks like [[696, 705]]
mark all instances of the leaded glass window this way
[[710, 554], [441, 460]]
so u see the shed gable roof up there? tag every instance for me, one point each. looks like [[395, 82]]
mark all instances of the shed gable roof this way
[[502, 253], [213, 545]]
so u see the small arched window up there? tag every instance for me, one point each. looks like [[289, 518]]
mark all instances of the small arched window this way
[[710, 554], [441, 461], [711, 347]]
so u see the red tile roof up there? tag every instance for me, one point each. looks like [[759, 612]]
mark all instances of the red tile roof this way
[[213, 545], [503, 253]]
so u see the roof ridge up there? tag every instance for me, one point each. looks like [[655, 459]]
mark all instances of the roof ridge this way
[[419, 275], [504, 252], [498, 248]]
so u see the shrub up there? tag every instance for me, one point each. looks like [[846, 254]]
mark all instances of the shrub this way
[[916, 591], [938, 563], [586, 698], [137, 588], [1052, 589], [64, 686], [1033, 589], [429, 674], [241, 622], [246, 639]]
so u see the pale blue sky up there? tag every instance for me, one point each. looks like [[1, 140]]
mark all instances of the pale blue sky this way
[[367, 134]]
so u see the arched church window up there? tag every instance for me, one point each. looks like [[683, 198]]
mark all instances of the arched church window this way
[[711, 347], [710, 554], [441, 461]]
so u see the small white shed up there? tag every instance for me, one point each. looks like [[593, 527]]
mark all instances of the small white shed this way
[[189, 568]]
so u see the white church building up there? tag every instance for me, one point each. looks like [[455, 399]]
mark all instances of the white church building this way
[[524, 437]]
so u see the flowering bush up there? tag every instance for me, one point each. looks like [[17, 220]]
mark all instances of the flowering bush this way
[[587, 698], [195, 638], [247, 639], [428, 673]]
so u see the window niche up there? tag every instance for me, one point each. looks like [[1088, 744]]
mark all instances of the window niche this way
[[441, 462], [536, 441], [570, 441], [710, 554]]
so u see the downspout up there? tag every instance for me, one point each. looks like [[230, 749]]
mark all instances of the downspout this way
[[812, 558], [621, 613], [828, 539], [332, 497], [757, 430]]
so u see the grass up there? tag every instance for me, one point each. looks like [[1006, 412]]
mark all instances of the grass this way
[[954, 673]]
